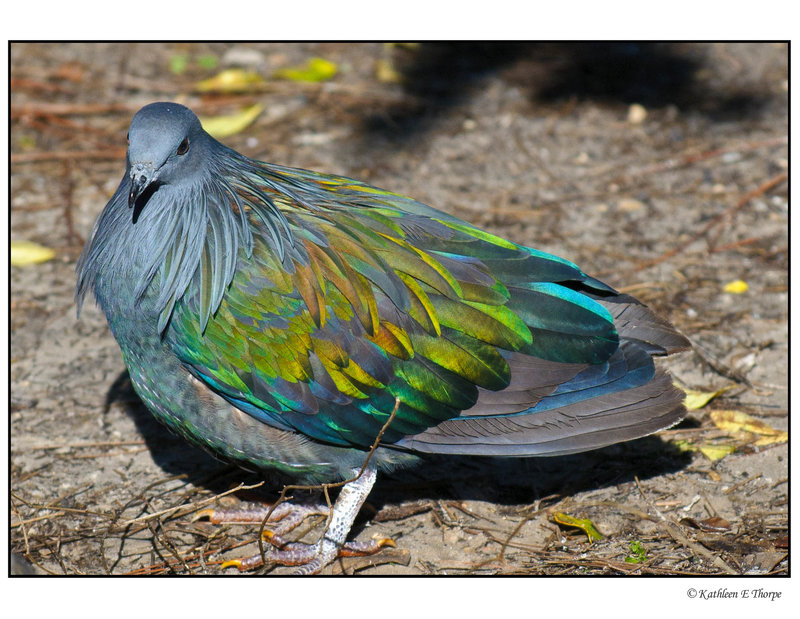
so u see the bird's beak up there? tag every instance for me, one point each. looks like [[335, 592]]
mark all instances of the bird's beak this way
[[141, 177]]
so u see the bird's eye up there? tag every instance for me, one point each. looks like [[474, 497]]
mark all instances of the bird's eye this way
[[128, 137], [183, 147]]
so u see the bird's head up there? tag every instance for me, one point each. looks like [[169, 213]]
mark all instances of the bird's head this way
[[165, 145]]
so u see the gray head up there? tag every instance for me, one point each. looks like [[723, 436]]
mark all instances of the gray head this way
[[166, 144], [181, 210]]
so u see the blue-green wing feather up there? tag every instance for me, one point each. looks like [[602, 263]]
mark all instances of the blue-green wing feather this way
[[373, 297]]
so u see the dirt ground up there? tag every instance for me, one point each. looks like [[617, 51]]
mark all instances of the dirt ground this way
[[661, 169]]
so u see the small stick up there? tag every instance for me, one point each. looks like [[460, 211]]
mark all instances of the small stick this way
[[679, 536], [68, 187], [726, 214], [672, 164], [67, 155], [192, 507], [69, 109]]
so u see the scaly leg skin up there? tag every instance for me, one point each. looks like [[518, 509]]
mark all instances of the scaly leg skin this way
[[312, 558]]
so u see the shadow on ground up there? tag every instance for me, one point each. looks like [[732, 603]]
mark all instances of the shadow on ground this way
[[506, 481], [440, 76]]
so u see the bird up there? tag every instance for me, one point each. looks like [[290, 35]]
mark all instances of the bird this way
[[313, 325]]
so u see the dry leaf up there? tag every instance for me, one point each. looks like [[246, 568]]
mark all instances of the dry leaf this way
[[737, 286], [715, 452], [715, 524], [386, 73], [230, 80], [315, 70], [735, 422], [224, 126], [711, 451], [584, 524], [24, 253], [698, 399], [411, 47]]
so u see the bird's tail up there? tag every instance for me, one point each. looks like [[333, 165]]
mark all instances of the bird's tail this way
[[557, 409]]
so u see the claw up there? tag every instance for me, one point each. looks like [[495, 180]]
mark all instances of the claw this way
[[204, 513]]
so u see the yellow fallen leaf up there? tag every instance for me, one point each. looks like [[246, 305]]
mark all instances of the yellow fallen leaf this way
[[712, 452], [224, 126], [315, 70], [24, 253], [412, 47], [737, 286], [230, 80], [734, 422], [386, 73], [783, 437], [716, 452], [584, 524], [698, 399]]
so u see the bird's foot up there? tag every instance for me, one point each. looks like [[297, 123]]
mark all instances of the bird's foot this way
[[281, 518], [311, 558]]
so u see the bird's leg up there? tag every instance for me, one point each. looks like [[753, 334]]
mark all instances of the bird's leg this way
[[311, 558], [345, 510]]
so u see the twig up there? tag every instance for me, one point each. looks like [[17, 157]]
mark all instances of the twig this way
[[22, 528], [86, 445], [687, 160], [761, 189], [67, 155], [735, 244], [22, 523], [719, 367], [192, 506], [21, 83], [67, 190], [679, 536], [726, 214], [501, 555], [459, 505], [154, 527], [33, 473], [105, 454], [739, 484], [53, 508], [70, 109]]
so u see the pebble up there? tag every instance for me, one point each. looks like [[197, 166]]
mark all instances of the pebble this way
[[629, 205], [243, 57], [636, 114], [581, 159]]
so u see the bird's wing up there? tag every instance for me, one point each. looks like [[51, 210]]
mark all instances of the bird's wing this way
[[379, 297]]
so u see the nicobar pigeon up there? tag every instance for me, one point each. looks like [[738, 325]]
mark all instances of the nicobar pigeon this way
[[275, 316]]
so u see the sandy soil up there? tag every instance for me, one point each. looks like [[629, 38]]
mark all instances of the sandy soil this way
[[535, 142]]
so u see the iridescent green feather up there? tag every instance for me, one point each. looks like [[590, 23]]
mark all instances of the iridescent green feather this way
[[376, 296]]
